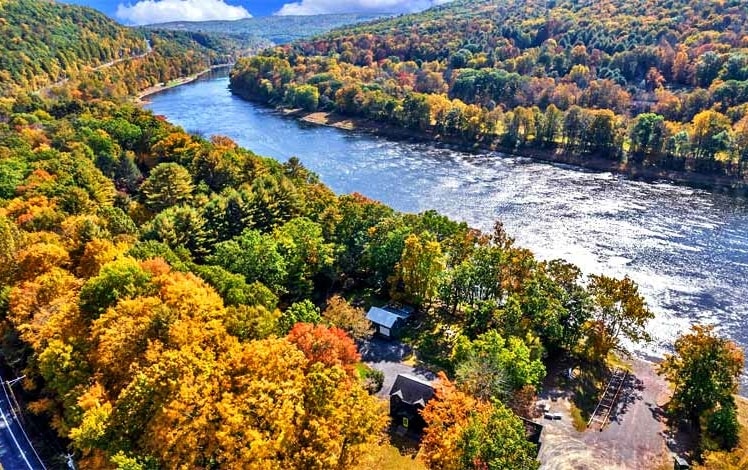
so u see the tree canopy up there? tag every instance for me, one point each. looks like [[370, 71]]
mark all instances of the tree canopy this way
[[619, 80], [704, 371]]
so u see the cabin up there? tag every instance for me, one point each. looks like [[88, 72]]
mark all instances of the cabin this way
[[533, 433], [408, 396], [680, 463], [389, 320]]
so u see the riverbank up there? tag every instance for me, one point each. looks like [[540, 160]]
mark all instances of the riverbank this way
[[159, 87], [632, 170]]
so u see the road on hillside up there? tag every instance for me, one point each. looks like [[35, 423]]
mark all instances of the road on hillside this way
[[16, 452], [148, 51]]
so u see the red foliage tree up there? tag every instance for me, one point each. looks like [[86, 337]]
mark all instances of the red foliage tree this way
[[328, 345]]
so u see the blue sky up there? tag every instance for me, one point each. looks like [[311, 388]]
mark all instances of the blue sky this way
[[156, 11]]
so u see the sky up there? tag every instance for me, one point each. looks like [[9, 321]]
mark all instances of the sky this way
[[134, 12]]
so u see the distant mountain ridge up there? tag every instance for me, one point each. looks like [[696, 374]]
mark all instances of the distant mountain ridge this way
[[256, 33]]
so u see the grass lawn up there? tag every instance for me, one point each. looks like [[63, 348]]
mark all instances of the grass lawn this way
[[362, 370], [387, 457]]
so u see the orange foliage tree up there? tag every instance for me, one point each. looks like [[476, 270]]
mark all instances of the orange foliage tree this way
[[328, 345]]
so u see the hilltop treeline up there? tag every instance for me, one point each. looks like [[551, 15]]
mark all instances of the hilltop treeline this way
[[44, 42], [663, 84], [250, 35]]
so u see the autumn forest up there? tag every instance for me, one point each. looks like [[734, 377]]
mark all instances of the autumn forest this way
[[658, 85], [173, 300]]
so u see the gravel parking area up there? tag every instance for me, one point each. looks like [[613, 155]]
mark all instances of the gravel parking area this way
[[388, 356], [633, 440]]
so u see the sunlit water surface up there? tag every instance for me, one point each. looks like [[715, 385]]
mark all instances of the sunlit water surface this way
[[687, 249]]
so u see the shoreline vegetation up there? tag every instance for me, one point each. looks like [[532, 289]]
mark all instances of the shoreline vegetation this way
[[557, 156], [595, 161], [630, 169], [353, 124], [658, 99]]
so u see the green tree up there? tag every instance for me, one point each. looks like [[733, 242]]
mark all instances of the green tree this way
[[227, 215], [704, 371], [465, 433], [383, 249], [496, 441], [551, 128], [120, 279], [179, 226], [619, 312], [305, 97], [647, 134], [12, 173], [273, 201], [420, 269], [169, 184], [299, 312], [492, 367], [254, 255], [234, 288], [303, 247], [415, 112], [251, 322]]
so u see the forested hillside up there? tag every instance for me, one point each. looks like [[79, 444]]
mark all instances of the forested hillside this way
[[173, 301], [45, 43], [158, 292], [662, 84], [253, 34]]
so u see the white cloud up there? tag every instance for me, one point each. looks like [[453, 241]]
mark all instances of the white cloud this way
[[316, 7], [162, 11]]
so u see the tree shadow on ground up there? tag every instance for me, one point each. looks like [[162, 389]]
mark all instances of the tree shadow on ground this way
[[406, 442], [430, 335]]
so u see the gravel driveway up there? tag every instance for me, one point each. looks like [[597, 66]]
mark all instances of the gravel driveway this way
[[387, 355]]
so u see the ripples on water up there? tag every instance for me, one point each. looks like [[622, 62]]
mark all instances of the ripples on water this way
[[687, 249]]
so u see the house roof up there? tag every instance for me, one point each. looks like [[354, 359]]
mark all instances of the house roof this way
[[412, 390], [533, 430], [382, 317], [403, 311]]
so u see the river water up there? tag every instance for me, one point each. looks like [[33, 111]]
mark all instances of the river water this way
[[686, 248]]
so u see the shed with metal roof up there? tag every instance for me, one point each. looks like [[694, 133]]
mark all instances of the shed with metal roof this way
[[385, 322]]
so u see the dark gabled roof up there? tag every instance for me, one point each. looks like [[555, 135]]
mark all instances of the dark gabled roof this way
[[412, 390], [533, 430]]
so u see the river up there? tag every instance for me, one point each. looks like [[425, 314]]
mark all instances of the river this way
[[686, 248]]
